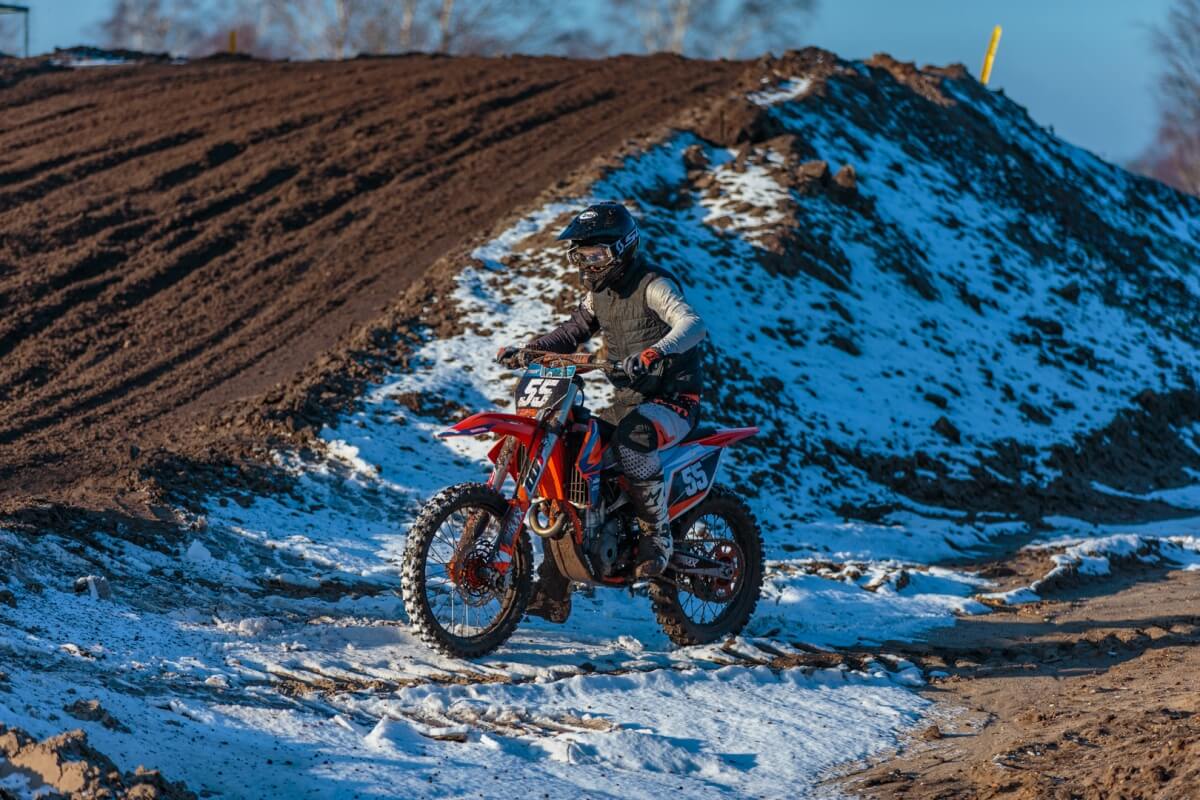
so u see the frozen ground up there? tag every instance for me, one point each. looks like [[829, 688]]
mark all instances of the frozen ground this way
[[278, 695], [266, 653]]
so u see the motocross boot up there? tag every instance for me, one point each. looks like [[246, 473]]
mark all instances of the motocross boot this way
[[551, 594], [649, 501]]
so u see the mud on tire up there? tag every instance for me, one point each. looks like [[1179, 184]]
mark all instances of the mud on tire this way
[[440, 508], [665, 597]]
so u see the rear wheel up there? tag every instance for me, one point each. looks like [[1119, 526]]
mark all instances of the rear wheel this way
[[457, 603], [697, 610]]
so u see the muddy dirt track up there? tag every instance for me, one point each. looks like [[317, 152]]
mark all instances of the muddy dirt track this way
[[176, 237], [1088, 694]]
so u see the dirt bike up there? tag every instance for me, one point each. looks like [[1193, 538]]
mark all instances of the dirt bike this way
[[468, 561]]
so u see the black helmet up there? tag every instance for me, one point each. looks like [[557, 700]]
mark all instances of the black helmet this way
[[604, 242]]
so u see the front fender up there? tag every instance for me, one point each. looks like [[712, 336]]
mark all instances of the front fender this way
[[523, 428]]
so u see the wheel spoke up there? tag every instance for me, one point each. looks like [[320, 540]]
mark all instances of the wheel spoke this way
[[712, 536], [466, 607]]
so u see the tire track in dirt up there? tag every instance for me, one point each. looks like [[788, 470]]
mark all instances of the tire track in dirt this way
[[227, 210], [1084, 694]]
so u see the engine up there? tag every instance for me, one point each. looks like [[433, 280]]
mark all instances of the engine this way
[[605, 542]]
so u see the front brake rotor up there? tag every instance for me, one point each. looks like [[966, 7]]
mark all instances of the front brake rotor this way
[[476, 580]]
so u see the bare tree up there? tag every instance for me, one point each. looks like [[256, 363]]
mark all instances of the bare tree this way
[[343, 28], [326, 28], [490, 27], [154, 26], [716, 28], [408, 21], [445, 25], [190, 27], [1174, 157], [662, 24], [752, 27]]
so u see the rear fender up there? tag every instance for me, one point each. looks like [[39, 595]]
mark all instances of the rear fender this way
[[727, 436]]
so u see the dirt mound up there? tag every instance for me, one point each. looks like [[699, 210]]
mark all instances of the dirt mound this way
[[842, 154], [66, 765], [178, 237]]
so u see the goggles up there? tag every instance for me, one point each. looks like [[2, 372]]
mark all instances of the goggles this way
[[599, 257], [592, 257]]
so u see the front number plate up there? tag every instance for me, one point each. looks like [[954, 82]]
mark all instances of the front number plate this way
[[542, 388]]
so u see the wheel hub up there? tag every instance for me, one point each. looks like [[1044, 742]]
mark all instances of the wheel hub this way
[[474, 578], [719, 589]]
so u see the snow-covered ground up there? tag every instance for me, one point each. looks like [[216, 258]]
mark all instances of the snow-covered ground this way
[[266, 652], [282, 695]]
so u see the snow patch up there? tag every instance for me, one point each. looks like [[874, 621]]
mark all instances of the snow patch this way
[[789, 89]]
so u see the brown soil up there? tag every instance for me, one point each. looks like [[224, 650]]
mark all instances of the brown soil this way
[[1089, 695], [66, 765], [177, 239]]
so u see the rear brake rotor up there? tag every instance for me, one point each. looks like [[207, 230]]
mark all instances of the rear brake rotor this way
[[713, 589], [727, 553]]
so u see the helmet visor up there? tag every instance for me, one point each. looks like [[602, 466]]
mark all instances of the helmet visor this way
[[592, 257]]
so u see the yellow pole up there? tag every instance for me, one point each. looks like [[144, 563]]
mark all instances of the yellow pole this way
[[233, 42], [990, 57]]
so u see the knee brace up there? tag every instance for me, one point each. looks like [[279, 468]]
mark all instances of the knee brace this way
[[637, 447]]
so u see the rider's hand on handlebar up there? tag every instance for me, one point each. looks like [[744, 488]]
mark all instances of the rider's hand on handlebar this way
[[509, 356], [637, 365]]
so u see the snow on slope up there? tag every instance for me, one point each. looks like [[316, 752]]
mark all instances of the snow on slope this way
[[867, 320], [215, 668], [935, 317]]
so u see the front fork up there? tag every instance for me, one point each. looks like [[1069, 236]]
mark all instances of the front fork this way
[[471, 530], [500, 557], [528, 479], [508, 451]]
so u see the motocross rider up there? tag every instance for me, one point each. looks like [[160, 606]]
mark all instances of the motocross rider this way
[[651, 330]]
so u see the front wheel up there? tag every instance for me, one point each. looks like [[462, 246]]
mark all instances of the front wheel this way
[[698, 610], [457, 603]]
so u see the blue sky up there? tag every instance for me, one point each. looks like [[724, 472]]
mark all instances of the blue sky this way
[[1085, 67]]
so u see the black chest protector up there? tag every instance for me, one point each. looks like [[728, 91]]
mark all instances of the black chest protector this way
[[629, 327]]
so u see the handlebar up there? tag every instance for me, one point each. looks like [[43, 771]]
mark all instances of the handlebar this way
[[583, 362]]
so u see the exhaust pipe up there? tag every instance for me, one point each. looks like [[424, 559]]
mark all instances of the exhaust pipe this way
[[546, 529]]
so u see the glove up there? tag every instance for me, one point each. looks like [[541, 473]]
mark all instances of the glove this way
[[637, 365], [508, 356]]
